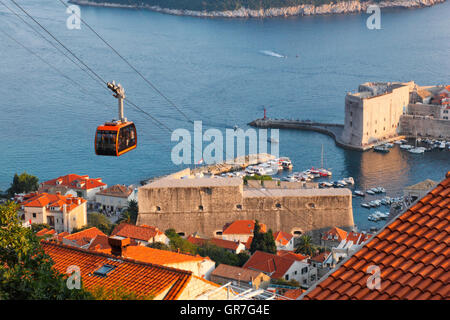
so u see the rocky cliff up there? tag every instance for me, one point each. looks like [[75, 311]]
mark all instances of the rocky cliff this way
[[342, 7]]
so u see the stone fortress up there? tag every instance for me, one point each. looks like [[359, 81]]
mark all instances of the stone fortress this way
[[373, 113], [206, 204], [382, 111]]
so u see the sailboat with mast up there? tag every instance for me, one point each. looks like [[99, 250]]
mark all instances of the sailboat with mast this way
[[322, 171]]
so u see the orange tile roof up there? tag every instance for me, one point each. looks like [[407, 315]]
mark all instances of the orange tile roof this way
[[358, 237], [291, 255], [226, 244], [243, 227], [235, 273], [117, 190], [45, 232], [61, 235], [412, 253], [282, 237], [100, 243], [341, 234], [248, 243], [272, 265], [53, 200], [139, 278], [157, 256], [293, 293], [143, 232], [84, 237], [72, 180]]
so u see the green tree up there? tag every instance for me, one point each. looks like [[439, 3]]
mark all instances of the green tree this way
[[178, 243], [159, 245], [262, 241], [130, 214], [97, 220], [305, 246], [24, 183], [36, 227], [26, 272]]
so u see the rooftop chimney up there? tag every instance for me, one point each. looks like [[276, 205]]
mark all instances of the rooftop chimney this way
[[118, 245]]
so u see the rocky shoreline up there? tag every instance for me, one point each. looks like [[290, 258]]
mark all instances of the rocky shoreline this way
[[343, 7]]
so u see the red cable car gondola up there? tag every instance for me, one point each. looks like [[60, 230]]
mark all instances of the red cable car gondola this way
[[118, 136]]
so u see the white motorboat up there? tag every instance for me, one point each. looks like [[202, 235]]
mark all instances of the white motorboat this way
[[370, 192], [365, 205], [349, 180], [406, 146], [359, 193], [417, 150], [389, 145]]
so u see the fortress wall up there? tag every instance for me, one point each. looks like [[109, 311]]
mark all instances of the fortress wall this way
[[425, 127], [425, 110], [306, 213]]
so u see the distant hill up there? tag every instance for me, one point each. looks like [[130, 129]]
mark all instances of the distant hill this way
[[256, 8], [216, 5]]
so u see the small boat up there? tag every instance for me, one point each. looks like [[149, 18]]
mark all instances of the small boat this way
[[417, 150], [389, 145], [272, 140], [370, 192], [365, 205], [343, 182], [359, 193], [381, 149], [349, 180], [406, 146]]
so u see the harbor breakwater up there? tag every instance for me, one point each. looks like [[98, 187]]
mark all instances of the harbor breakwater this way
[[334, 130], [342, 7]]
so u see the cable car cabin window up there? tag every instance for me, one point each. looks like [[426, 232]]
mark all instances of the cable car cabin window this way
[[106, 143], [127, 137]]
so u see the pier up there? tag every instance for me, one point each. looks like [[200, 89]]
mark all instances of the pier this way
[[333, 130]]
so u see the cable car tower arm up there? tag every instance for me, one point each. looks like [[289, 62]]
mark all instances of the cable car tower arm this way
[[119, 94]]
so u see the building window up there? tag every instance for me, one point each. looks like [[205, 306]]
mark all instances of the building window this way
[[278, 205], [304, 270], [239, 206], [295, 272], [350, 123], [286, 277], [34, 215], [158, 208], [200, 207], [311, 205]]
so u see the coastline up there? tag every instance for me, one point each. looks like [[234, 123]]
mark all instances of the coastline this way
[[344, 7]]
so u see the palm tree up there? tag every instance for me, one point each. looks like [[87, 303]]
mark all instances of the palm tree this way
[[129, 215], [306, 246]]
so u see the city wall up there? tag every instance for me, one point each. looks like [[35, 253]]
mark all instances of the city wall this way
[[205, 205], [424, 127]]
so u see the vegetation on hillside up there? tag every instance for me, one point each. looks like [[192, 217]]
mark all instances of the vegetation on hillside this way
[[217, 254], [218, 5], [26, 272], [24, 183]]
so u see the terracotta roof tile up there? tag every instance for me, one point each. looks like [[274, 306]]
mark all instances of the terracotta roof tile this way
[[137, 277], [84, 237], [226, 244], [143, 232], [412, 253], [273, 265], [75, 181], [243, 227]]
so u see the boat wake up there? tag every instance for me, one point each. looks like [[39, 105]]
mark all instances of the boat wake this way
[[272, 54]]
